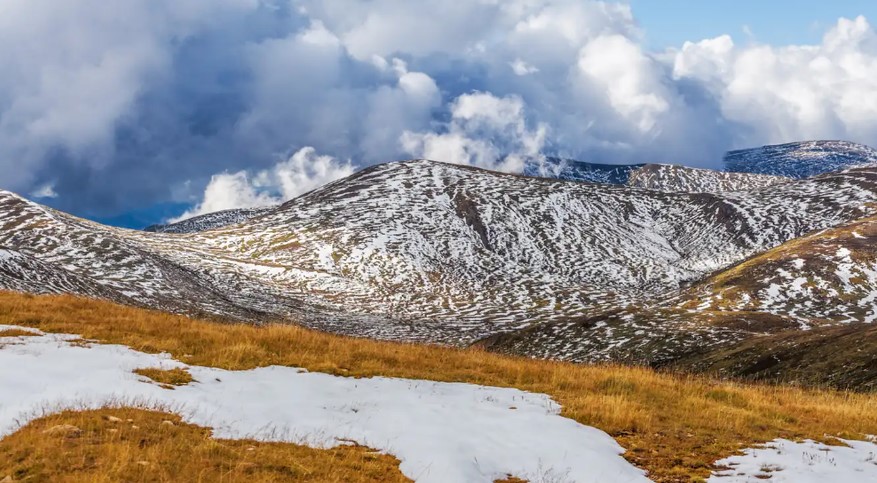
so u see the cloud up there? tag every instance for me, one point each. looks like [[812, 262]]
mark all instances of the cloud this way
[[792, 92], [304, 171], [120, 106], [44, 191], [522, 68], [484, 131]]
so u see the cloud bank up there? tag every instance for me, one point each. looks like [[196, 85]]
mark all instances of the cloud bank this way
[[110, 106], [303, 172]]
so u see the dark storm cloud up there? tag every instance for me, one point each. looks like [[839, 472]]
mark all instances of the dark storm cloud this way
[[116, 106]]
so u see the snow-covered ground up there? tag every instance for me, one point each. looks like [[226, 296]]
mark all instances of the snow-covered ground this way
[[784, 461], [441, 432]]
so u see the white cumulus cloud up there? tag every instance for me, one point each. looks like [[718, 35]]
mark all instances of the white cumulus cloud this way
[[120, 105], [304, 171], [787, 93], [484, 131]]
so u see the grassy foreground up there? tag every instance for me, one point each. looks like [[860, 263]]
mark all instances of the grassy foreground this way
[[673, 426], [130, 445]]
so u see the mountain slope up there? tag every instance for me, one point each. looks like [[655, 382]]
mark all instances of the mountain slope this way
[[800, 159], [209, 221], [830, 275], [442, 253], [56, 252], [673, 178], [572, 170], [24, 273], [798, 312]]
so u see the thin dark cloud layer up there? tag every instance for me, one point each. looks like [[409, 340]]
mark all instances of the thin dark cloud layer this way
[[108, 107]]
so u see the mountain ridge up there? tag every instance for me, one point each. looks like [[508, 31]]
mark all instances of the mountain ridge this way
[[743, 169], [421, 251], [429, 251]]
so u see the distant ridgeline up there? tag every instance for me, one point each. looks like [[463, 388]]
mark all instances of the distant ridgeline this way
[[802, 159], [757, 165], [581, 171], [793, 160]]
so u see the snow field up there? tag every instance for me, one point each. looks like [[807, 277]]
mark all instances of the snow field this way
[[441, 432]]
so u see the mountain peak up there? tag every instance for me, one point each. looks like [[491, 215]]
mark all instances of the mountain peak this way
[[801, 159]]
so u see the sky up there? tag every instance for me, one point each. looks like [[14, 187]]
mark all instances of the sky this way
[[776, 22], [143, 111]]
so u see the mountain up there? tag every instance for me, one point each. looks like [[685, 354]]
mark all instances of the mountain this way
[[673, 178], [743, 169], [209, 221], [659, 177], [426, 251], [800, 159], [572, 170], [796, 160], [796, 278], [801, 312]]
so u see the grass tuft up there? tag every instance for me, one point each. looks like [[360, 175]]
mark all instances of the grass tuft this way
[[123, 444], [17, 333], [167, 378]]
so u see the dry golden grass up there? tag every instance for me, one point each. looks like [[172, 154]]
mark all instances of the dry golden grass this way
[[134, 445], [673, 426], [16, 333], [166, 378]]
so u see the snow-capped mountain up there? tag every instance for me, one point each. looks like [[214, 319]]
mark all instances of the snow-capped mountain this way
[[794, 279], [572, 170], [801, 311], [801, 159], [209, 221], [744, 169], [673, 178], [428, 251], [769, 163]]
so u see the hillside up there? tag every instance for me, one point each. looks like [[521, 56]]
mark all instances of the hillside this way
[[426, 251], [674, 427], [837, 265], [796, 160], [672, 178], [572, 170], [800, 159], [209, 221], [800, 312]]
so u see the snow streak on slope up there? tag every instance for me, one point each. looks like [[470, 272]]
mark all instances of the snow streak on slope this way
[[672, 178], [441, 432], [801, 159], [434, 252], [784, 461]]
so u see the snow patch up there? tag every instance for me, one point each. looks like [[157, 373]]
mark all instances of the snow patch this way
[[784, 461], [441, 432]]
